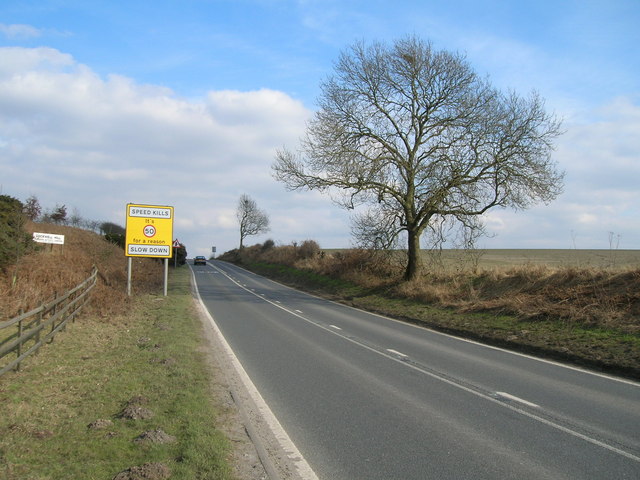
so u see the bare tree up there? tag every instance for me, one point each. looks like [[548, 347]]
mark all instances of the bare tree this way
[[76, 219], [419, 138], [252, 220], [32, 208], [59, 214]]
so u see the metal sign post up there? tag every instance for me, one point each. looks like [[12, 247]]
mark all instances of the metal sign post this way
[[129, 277], [166, 275]]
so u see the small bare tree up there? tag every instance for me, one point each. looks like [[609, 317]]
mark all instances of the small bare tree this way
[[59, 215], [417, 136], [32, 208], [253, 221]]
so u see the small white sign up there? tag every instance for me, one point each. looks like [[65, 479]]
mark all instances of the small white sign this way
[[48, 238]]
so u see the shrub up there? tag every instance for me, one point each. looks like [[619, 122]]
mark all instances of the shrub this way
[[13, 239], [308, 249], [268, 245], [116, 238]]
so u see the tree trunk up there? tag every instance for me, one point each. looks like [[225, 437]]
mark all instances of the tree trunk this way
[[414, 260]]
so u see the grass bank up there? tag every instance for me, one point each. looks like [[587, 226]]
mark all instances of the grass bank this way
[[612, 347], [65, 415]]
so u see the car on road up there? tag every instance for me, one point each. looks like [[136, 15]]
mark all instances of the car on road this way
[[199, 260]]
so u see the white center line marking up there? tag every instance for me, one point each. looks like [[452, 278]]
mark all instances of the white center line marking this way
[[395, 352], [335, 326], [298, 311], [508, 396]]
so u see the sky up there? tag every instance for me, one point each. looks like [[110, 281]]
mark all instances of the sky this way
[[185, 102]]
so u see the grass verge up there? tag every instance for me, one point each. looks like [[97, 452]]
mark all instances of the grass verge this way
[[607, 349], [91, 372]]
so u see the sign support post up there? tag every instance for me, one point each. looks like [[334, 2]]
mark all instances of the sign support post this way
[[166, 275], [129, 276]]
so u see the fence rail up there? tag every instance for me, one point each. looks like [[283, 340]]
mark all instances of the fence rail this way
[[41, 324]]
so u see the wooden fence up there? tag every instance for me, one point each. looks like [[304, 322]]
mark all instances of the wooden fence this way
[[40, 325]]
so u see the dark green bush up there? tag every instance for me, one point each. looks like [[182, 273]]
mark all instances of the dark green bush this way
[[13, 239]]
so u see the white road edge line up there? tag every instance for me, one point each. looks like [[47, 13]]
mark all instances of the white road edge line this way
[[497, 401], [298, 461], [508, 396]]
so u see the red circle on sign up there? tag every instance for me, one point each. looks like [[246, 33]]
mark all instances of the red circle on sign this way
[[149, 231]]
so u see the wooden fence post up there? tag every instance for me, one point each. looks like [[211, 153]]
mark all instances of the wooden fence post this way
[[64, 320], [19, 349], [38, 322], [53, 314]]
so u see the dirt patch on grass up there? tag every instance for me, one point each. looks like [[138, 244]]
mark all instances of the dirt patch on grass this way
[[135, 410], [155, 436], [148, 471], [100, 424]]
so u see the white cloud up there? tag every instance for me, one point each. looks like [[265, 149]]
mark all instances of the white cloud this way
[[72, 137], [602, 194], [17, 31]]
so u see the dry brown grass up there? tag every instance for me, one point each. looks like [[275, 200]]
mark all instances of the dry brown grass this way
[[51, 269], [585, 296]]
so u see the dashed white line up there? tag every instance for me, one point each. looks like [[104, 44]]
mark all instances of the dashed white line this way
[[335, 327], [395, 352], [508, 396]]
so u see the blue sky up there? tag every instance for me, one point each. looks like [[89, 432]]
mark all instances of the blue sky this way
[[184, 102]]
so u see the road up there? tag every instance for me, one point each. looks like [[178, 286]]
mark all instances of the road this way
[[367, 397]]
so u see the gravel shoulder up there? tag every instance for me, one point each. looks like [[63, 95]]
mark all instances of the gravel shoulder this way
[[258, 452]]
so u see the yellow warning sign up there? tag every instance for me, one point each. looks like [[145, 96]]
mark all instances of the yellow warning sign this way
[[149, 231]]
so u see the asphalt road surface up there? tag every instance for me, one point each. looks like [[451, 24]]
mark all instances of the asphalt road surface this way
[[366, 397]]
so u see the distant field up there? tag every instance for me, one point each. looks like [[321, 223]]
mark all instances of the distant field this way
[[554, 258], [505, 258]]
